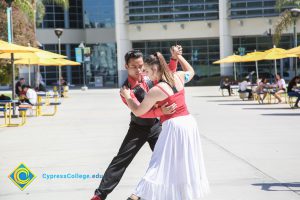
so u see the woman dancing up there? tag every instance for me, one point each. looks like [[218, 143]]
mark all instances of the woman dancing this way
[[176, 170]]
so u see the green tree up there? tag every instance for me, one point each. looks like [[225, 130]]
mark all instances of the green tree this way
[[285, 20], [39, 7], [26, 13]]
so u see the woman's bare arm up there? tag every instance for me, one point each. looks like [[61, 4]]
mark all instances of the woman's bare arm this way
[[153, 96], [188, 71]]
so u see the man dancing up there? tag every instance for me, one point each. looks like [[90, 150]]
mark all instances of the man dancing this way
[[141, 129]]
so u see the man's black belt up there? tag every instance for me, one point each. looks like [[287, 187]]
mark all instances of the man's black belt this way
[[143, 121]]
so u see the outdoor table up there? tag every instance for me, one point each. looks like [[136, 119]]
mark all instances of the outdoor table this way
[[9, 105]]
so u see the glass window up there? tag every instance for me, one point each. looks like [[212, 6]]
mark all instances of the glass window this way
[[181, 8], [165, 2], [174, 10], [99, 13], [166, 17], [151, 10], [138, 45], [151, 18], [199, 42], [197, 1], [253, 8], [151, 3], [199, 53], [166, 9], [133, 4], [197, 8], [182, 16], [136, 11], [255, 12], [181, 1], [254, 4]]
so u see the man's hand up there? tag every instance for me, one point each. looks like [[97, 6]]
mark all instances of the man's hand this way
[[168, 110], [125, 92], [175, 51]]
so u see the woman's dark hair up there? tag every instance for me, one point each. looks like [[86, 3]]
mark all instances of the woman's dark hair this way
[[294, 79], [159, 60], [25, 86], [132, 54]]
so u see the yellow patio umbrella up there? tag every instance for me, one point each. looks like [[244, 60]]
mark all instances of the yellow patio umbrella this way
[[11, 50], [37, 61], [295, 50], [6, 47], [32, 57], [230, 59], [37, 54], [254, 57], [277, 53], [65, 62], [47, 62]]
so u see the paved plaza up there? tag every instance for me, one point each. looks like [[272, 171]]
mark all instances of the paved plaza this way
[[251, 151]]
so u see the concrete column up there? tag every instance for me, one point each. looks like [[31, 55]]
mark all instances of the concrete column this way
[[226, 46], [67, 19], [122, 39]]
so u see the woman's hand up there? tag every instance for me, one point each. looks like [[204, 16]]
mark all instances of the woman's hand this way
[[125, 92]]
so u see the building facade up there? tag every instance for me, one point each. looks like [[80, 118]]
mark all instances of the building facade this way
[[207, 29]]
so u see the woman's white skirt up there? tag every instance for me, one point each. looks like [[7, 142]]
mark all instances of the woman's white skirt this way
[[176, 170]]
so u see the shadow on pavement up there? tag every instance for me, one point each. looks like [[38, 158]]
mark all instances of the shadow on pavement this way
[[238, 104], [282, 114], [287, 108], [268, 186], [225, 100], [210, 96]]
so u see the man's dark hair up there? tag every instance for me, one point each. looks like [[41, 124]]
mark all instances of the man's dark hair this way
[[132, 54], [21, 79], [25, 86]]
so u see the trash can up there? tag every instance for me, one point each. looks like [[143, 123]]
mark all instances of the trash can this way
[[98, 81]]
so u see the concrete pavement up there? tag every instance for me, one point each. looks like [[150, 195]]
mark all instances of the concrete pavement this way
[[251, 151]]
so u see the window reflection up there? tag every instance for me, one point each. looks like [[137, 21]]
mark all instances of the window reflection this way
[[102, 65], [99, 14]]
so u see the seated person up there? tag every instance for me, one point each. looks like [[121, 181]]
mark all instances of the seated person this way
[[19, 85], [63, 86], [261, 89], [280, 83], [243, 87], [4, 97], [30, 96], [291, 90], [225, 84]]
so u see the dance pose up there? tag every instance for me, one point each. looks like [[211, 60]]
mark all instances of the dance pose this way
[[176, 170], [142, 129]]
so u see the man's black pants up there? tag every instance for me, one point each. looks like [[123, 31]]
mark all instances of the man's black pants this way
[[136, 137]]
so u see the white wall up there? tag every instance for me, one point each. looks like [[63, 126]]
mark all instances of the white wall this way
[[200, 29], [173, 30], [75, 36]]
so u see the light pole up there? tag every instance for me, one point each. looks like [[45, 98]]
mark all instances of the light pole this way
[[58, 32], [10, 40], [81, 46], [295, 14]]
